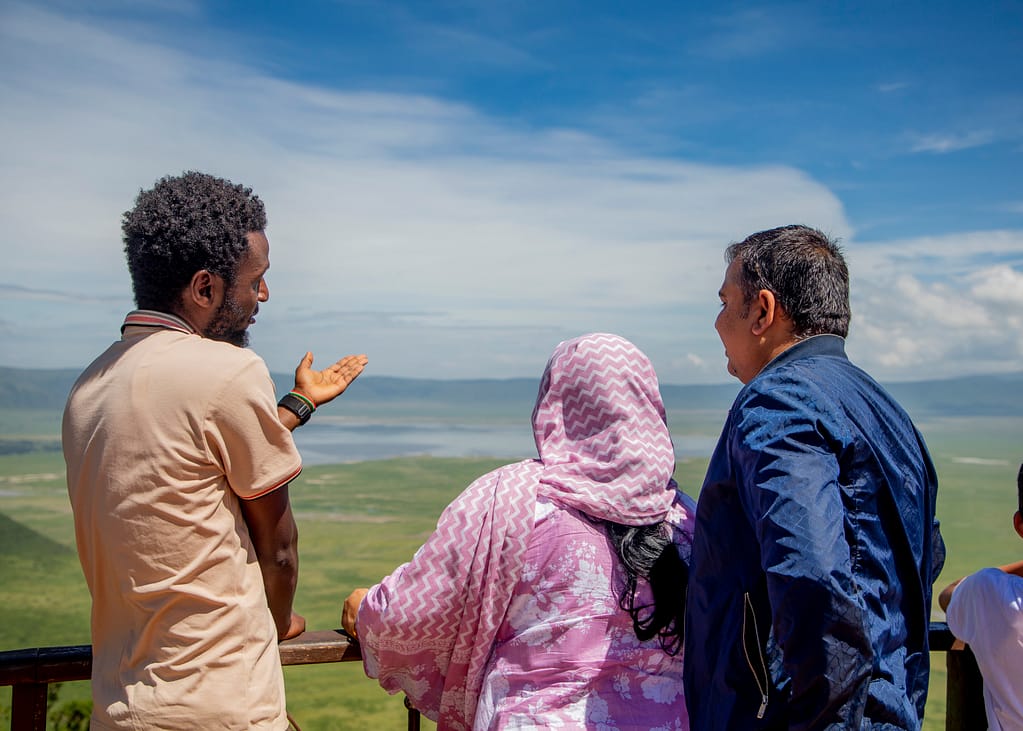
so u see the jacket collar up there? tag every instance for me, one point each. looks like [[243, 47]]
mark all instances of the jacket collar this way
[[832, 345]]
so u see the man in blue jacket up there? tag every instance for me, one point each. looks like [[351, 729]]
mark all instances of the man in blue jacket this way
[[816, 543]]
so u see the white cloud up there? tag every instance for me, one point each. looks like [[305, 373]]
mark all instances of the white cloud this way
[[378, 203], [891, 87], [941, 143], [936, 306], [999, 285], [955, 254], [440, 241]]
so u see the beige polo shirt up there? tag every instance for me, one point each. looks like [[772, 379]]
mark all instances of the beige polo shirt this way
[[163, 435]]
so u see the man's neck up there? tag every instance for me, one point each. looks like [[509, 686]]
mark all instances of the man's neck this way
[[193, 319]]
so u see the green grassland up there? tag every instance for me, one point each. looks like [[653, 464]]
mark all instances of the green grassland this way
[[358, 521]]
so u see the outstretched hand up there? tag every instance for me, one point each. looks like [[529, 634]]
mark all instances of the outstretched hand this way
[[326, 385]]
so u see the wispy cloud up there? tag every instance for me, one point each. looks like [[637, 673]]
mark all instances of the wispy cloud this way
[[942, 143], [16, 292], [891, 87], [746, 33], [480, 48]]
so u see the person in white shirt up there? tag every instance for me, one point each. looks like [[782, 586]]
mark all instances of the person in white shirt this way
[[985, 610]]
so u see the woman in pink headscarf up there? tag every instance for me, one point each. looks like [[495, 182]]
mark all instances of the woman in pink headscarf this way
[[552, 593]]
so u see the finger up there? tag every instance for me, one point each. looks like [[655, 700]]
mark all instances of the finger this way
[[306, 362], [352, 361], [356, 363], [350, 610], [348, 620], [349, 367]]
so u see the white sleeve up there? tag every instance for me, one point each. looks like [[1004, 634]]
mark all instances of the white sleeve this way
[[974, 602]]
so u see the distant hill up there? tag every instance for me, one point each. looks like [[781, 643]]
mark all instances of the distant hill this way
[[44, 389], [20, 541], [983, 395], [386, 389], [990, 395]]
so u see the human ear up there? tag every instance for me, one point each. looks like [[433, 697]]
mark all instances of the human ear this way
[[1017, 521], [763, 308], [205, 289]]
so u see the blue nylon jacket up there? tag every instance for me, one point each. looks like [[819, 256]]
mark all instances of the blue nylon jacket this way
[[815, 549]]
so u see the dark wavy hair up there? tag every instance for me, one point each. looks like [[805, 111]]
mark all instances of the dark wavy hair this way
[[183, 225], [806, 272], [647, 552]]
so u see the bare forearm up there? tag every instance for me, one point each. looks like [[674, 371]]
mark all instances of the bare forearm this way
[[280, 578], [945, 596], [275, 541], [1013, 568]]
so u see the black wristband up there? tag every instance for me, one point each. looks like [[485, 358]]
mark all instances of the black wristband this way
[[297, 406]]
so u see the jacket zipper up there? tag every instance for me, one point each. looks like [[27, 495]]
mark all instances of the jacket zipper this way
[[761, 686]]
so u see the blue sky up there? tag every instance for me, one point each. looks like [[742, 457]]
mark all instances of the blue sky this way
[[455, 187]]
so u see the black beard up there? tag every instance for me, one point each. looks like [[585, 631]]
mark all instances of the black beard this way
[[222, 326]]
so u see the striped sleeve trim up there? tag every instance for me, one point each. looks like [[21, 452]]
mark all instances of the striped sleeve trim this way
[[279, 484]]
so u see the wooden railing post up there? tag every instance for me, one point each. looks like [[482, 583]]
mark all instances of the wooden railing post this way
[[413, 716], [964, 694], [964, 687], [28, 706]]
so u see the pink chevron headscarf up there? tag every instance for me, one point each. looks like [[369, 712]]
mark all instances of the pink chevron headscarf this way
[[601, 432], [428, 628]]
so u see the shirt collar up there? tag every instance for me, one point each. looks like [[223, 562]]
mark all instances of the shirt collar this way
[[152, 318]]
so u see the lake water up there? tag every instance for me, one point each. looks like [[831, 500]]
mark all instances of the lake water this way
[[332, 442]]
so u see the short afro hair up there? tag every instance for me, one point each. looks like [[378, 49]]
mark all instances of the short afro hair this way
[[183, 225]]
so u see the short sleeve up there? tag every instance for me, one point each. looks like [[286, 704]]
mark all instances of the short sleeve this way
[[245, 436], [971, 605]]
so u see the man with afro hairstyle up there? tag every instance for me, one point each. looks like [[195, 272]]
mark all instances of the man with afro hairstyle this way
[[178, 464]]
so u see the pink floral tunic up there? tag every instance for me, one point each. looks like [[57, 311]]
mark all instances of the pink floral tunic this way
[[566, 655]]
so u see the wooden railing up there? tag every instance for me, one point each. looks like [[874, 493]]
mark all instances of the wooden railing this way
[[31, 671]]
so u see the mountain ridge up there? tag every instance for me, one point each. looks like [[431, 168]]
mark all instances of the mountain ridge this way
[[974, 395]]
